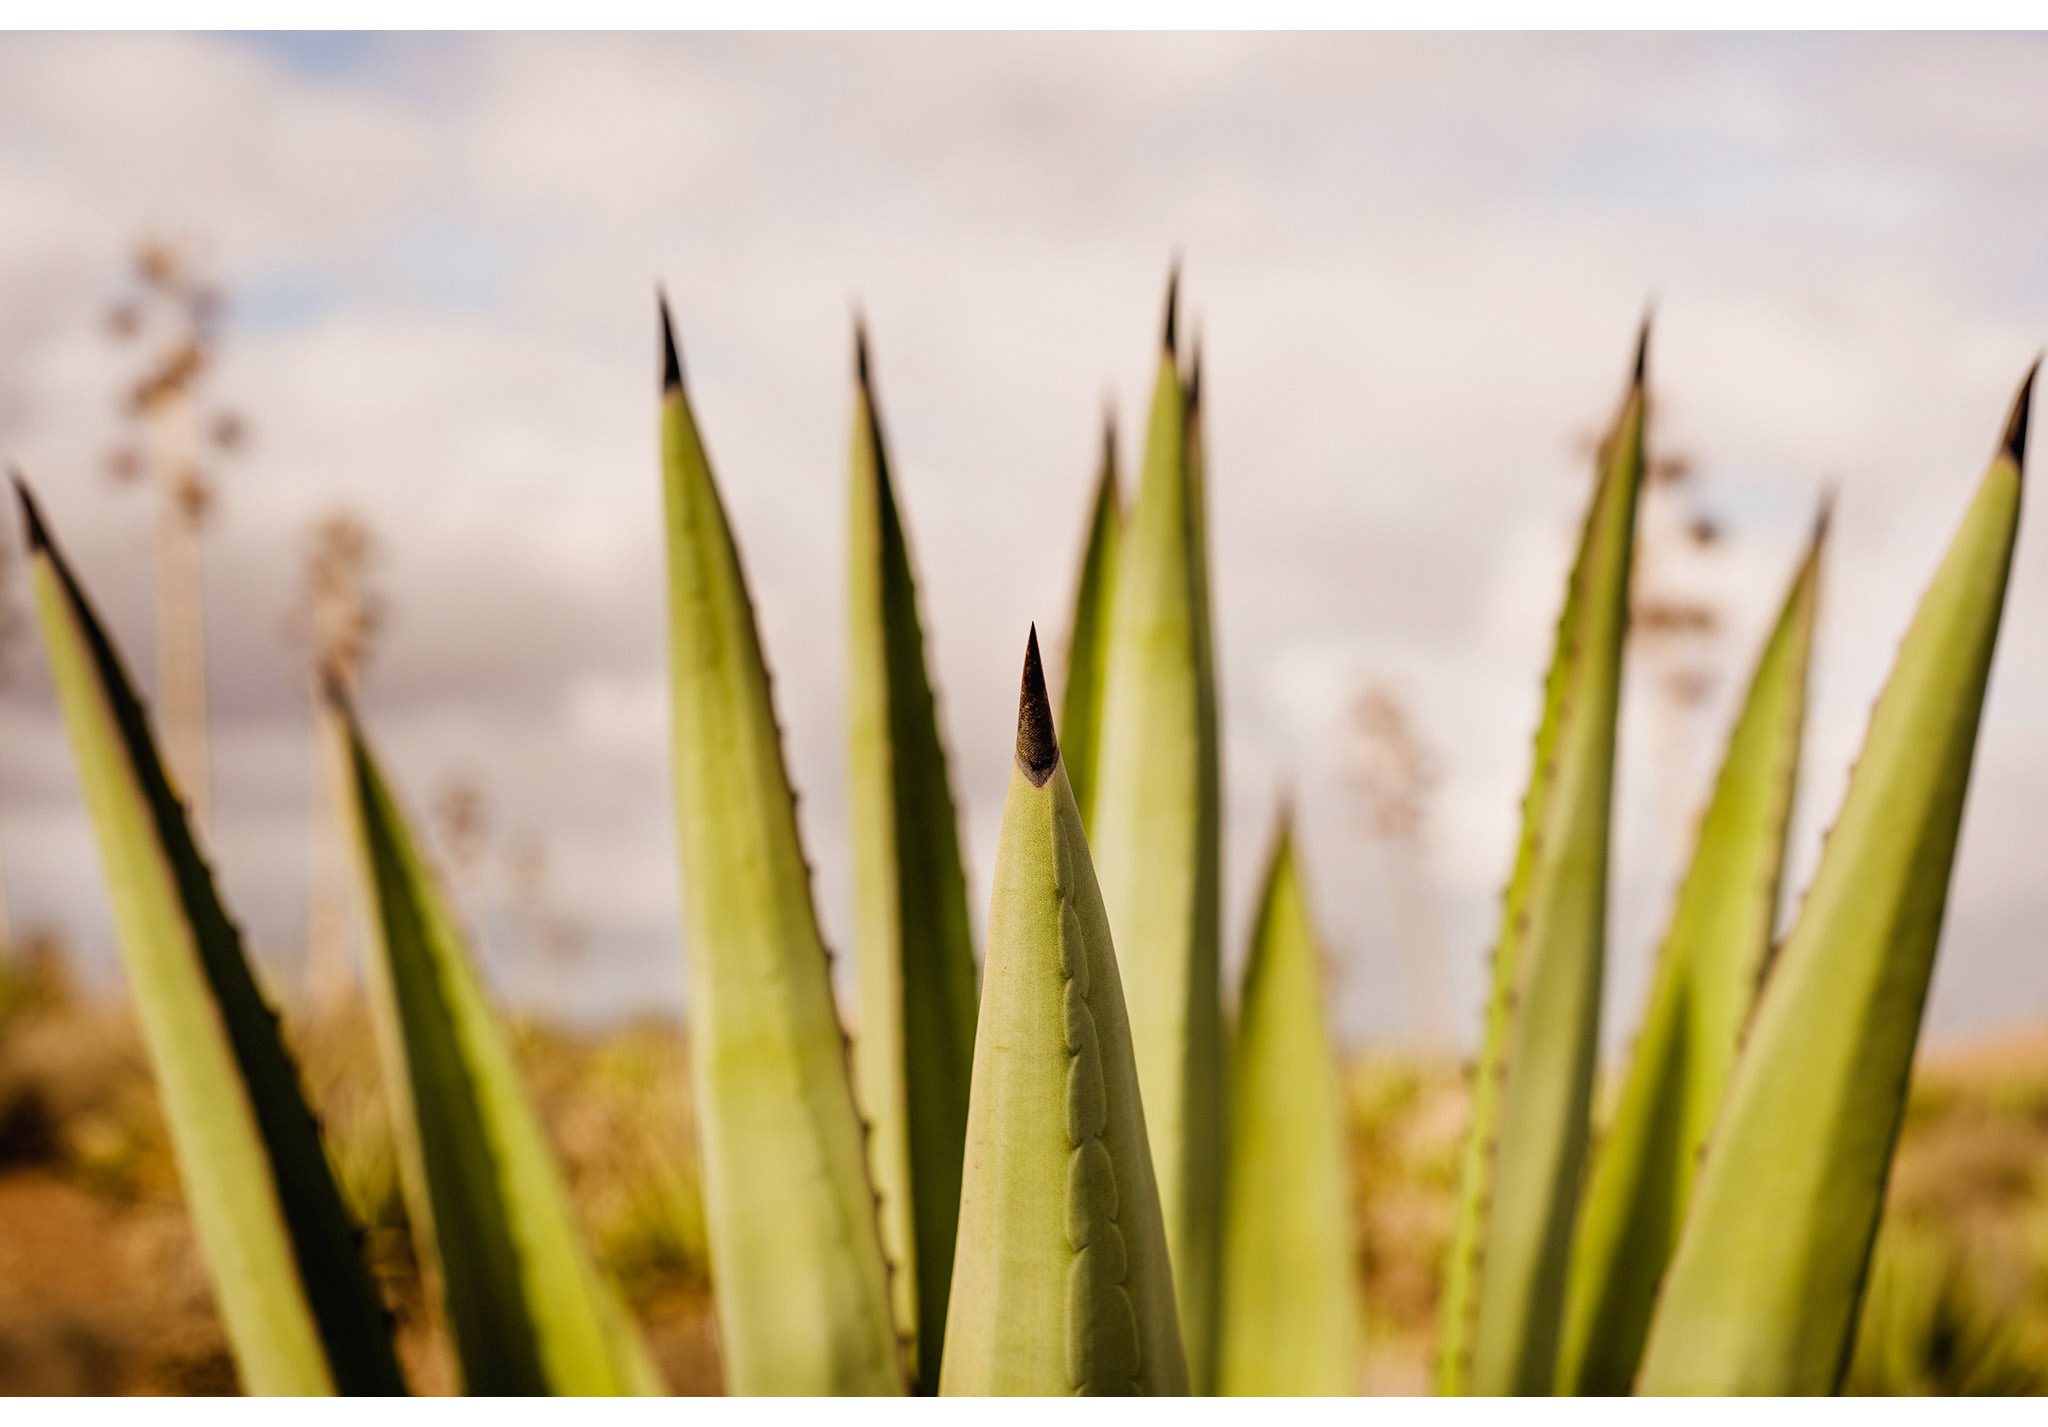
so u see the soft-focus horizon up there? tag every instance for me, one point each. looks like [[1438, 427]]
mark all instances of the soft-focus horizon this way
[[1416, 266]]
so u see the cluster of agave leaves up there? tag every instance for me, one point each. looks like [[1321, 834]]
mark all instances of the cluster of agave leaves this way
[[1063, 1174]]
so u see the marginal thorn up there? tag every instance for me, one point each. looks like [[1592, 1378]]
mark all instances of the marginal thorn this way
[[2015, 443], [1038, 751], [671, 359], [31, 518]]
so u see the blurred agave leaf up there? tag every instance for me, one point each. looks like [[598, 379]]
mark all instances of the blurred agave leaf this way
[[1929, 1329], [1156, 839], [1763, 1288], [1519, 1179], [528, 1311], [1290, 1292], [1061, 1282], [915, 1051], [1708, 973], [798, 1272], [301, 1311], [1088, 633]]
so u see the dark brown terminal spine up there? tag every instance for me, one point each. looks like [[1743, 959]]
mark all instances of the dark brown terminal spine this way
[[671, 360], [2015, 443], [31, 518], [1172, 307], [1038, 751]]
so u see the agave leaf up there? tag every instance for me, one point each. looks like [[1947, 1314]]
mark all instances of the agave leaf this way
[[301, 1311], [1088, 633], [1707, 977], [528, 1311], [1060, 1282], [798, 1273], [1765, 1283], [1519, 1180], [914, 1055], [1156, 838], [1290, 1296]]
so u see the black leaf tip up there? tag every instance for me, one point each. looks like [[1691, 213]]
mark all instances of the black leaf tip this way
[[2015, 443], [1195, 376], [1826, 514], [1172, 307], [335, 691], [860, 350], [31, 518], [1038, 751], [1642, 367], [671, 359]]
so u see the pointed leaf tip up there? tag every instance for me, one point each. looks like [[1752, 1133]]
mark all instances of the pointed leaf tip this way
[[1195, 376], [335, 694], [2015, 443], [672, 362], [1172, 307], [1642, 367], [1038, 751], [1823, 516], [31, 518], [860, 350]]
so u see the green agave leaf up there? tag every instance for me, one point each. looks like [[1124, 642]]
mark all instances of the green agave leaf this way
[[1088, 633], [1290, 1295], [1707, 978], [301, 1311], [798, 1273], [1765, 1284], [914, 1055], [1156, 837], [528, 1311], [1519, 1180], [1061, 1282]]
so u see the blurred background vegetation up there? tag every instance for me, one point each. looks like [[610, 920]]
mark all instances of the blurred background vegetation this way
[[102, 1289]]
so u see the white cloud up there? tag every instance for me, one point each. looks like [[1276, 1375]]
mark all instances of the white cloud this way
[[1417, 262]]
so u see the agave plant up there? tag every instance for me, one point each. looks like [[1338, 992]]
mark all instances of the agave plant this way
[[1708, 973], [915, 1050], [1768, 1274], [1504, 1289], [1088, 631], [301, 1311], [1157, 841], [1290, 1317], [1061, 1282], [1723, 1238], [1044, 1186], [798, 1272], [529, 1312]]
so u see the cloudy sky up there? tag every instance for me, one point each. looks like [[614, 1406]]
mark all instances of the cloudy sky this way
[[1417, 265]]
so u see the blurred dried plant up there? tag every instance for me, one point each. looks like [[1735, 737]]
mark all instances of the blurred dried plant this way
[[1392, 773], [1675, 623], [338, 614], [556, 938], [170, 314], [336, 618]]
